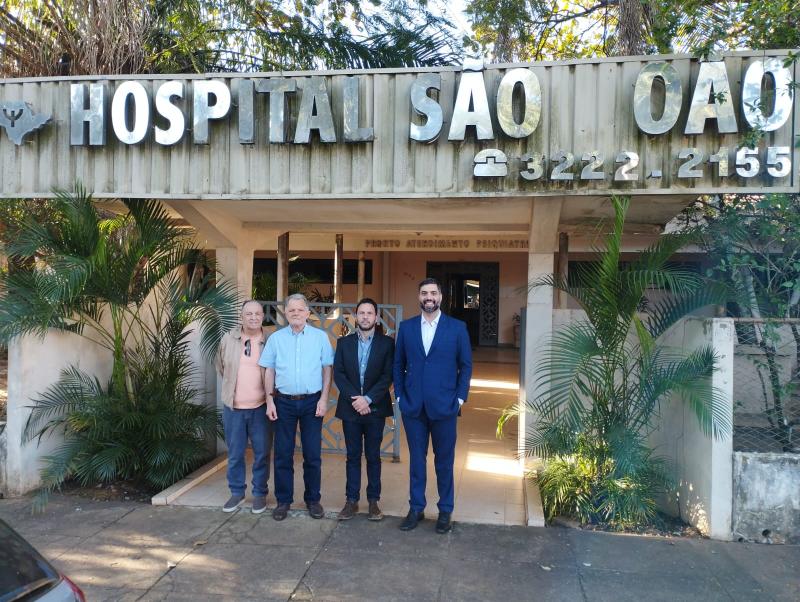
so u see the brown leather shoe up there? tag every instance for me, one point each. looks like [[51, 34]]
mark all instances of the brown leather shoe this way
[[281, 511], [374, 512], [315, 510], [349, 510]]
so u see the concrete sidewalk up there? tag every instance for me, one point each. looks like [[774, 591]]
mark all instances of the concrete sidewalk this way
[[128, 551]]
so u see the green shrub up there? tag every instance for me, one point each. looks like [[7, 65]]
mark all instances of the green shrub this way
[[603, 379], [114, 277]]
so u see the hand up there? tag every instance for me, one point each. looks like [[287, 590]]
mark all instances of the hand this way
[[360, 404], [460, 402], [322, 407], [272, 411]]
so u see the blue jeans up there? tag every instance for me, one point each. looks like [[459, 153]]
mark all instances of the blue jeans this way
[[366, 436], [290, 413], [241, 426]]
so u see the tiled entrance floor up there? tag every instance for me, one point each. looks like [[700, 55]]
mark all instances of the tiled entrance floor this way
[[489, 484]]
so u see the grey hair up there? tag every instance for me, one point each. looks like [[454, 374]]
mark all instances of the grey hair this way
[[297, 297]]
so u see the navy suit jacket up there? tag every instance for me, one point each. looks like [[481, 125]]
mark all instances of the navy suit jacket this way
[[377, 377], [436, 381]]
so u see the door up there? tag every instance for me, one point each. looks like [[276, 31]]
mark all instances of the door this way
[[470, 292]]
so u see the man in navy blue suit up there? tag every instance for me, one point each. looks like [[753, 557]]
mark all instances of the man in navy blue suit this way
[[432, 370]]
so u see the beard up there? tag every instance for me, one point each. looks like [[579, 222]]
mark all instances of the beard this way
[[429, 307], [363, 329]]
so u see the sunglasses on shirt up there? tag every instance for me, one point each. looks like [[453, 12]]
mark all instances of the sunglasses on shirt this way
[[247, 347]]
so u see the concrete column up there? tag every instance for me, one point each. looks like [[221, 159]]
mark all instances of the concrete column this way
[[362, 268], [385, 273], [282, 276], [338, 268], [542, 244], [563, 267], [236, 265]]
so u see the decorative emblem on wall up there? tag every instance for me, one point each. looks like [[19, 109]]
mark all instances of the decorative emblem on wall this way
[[490, 163], [19, 119]]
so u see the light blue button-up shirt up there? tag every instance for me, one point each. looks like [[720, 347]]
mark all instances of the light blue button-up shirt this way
[[297, 359], [364, 347]]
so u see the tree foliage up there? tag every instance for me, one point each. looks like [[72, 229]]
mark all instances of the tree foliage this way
[[752, 246], [61, 37], [512, 30]]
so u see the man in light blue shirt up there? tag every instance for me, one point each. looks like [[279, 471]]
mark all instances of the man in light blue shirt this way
[[298, 364]]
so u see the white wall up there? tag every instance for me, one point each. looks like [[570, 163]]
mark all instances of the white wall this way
[[703, 465], [33, 365]]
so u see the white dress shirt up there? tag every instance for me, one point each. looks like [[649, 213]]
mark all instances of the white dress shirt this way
[[429, 330]]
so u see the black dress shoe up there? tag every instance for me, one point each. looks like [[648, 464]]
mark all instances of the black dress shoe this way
[[280, 511], [444, 523], [411, 520], [315, 510]]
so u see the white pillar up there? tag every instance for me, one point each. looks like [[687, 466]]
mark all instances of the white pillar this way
[[542, 245], [236, 265]]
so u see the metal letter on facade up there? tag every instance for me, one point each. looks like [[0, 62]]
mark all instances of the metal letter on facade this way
[[94, 114], [752, 108], [532, 96], [244, 98], [712, 78], [203, 110], [642, 95], [277, 90], [141, 112], [353, 133], [314, 113], [172, 113], [471, 91], [426, 106]]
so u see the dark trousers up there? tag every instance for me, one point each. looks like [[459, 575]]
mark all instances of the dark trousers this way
[[290, 413], [241, 426], [442, 433], [363, 436]]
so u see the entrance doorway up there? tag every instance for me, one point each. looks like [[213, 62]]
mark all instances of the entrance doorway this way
[[471, 291]]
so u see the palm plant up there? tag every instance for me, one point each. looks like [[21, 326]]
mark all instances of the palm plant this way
[[114, 279], [603, 379]]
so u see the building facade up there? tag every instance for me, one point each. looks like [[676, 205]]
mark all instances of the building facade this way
[[483, 176]]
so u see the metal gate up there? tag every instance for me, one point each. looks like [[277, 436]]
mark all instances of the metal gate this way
[[338, 320]]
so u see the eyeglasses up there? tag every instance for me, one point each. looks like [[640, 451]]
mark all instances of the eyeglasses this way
[[247, 348]]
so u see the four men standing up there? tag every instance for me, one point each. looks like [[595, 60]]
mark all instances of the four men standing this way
[[430, 364]]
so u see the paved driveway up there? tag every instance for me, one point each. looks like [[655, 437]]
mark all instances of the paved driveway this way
[[128, 551]]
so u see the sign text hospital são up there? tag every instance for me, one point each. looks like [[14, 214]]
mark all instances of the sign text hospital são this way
[[296, 107]]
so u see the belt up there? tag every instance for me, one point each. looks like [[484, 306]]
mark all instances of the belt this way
[[277, 393]]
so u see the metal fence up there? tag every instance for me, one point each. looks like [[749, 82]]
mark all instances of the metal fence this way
[[338, 320], [766, 385]]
